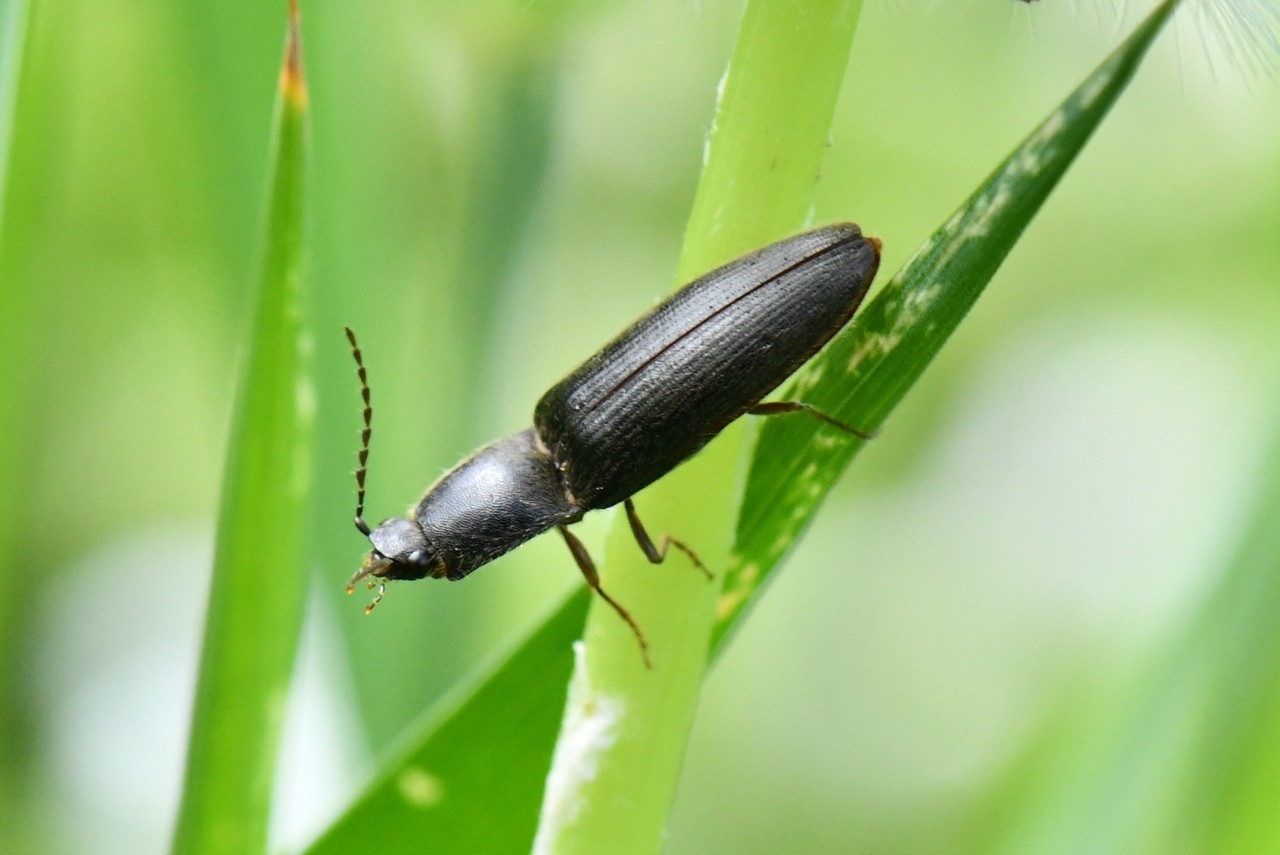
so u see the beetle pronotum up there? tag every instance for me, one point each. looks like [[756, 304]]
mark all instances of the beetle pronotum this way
[[646, 402]]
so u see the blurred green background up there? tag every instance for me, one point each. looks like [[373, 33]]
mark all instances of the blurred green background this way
[[497, 189]]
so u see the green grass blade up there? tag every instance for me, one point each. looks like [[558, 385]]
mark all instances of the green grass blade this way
[[13, 36], [436, 788], [18, 721], [1181, 756], [867, 370], [771, 130], [13, 291], [622, 742], [259, 582]]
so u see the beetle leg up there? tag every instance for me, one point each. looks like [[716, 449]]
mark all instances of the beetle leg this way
[[588, 568], [777, 408], [656, 554]]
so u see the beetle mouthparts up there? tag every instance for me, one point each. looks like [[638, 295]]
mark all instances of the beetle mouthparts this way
[[374, 565]]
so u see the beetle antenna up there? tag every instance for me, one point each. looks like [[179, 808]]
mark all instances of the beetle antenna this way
[[363, 454]]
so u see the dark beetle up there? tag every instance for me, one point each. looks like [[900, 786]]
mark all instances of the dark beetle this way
[[628, 415]]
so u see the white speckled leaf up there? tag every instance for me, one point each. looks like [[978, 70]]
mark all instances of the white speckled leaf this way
[[866, 371]]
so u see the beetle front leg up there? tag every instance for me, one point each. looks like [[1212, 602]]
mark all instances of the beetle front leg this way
[[777, 408], [588, 568], [656, 554]]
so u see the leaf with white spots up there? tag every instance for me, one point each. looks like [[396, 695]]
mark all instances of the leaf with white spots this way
[[866, 371]]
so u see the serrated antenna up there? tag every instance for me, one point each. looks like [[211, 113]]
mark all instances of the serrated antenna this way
[[363, 455]]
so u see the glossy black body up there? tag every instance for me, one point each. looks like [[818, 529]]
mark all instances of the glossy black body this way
[[670, 382], [638, 408], [490, 503]]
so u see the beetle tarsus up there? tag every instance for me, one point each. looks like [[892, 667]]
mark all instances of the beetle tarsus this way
[[589, 572], [657, 554], [382, 592], [779, 408]]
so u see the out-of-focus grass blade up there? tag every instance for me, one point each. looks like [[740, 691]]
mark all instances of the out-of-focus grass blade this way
[[13, 36], [468, 777], [510, 155], [866, 371], [17, 719], [1182, 756], [13, 293], [259, 581]]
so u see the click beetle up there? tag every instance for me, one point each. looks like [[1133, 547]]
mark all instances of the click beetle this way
[[628, 415]]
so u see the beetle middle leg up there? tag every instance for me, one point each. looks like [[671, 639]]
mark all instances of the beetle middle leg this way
[[777, 408], [588, 568], [656, 554]]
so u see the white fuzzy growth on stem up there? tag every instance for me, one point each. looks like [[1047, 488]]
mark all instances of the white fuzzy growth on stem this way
[[589, 730]]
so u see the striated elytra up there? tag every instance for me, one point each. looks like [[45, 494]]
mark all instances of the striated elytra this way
[[628, 415]]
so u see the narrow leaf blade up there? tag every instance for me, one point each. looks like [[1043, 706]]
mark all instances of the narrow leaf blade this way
[[259, 581], [18, 722], [433, 787], [867, 370]]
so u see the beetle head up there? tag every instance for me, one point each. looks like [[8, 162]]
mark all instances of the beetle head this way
[[400, 551]]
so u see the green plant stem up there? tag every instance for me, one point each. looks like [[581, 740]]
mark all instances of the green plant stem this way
[[623, 735]]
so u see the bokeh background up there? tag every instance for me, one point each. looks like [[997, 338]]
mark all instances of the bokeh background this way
[[497, 189]]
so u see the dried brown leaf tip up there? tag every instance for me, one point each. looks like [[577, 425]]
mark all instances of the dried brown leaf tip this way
[[293, 84]]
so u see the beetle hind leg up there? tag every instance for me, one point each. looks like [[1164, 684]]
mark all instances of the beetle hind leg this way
[[778, 408], [589, 572], [656, 554]]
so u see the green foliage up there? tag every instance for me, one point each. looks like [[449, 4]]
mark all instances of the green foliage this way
[[484, 193], [432, 786], [250, 639], [866, 372], [15, 300]]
